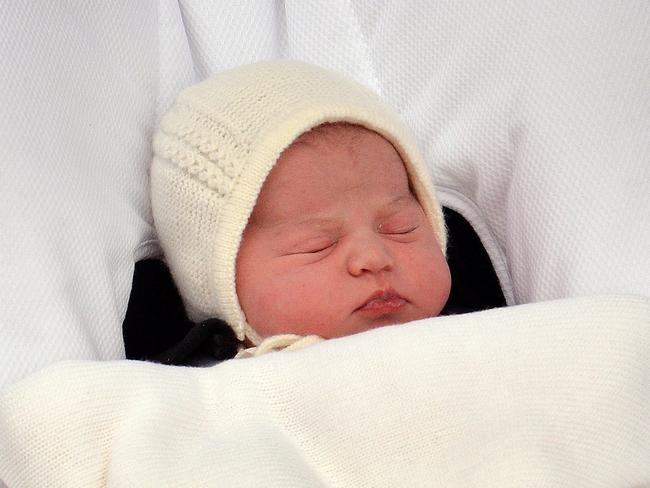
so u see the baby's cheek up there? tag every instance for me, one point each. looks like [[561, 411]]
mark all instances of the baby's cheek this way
[[429, 276], [270, 312], [438, 280], [306, 304], [277, 307], [258, 297]]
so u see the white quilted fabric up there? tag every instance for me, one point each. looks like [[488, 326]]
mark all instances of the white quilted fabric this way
[[76, 109]]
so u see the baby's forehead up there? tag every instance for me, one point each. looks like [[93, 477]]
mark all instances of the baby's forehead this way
[[337, 150], [335, 133], [328, 164]]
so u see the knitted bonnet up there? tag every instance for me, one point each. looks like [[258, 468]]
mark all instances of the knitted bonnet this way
[[216, 146]]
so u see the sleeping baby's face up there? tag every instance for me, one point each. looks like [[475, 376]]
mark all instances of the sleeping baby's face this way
[[337, 242]]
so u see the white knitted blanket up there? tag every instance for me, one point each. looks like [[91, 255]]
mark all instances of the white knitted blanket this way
[[553, 394]]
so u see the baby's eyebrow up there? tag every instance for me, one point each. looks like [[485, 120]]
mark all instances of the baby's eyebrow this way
[[320, 223], [332, 224], [317, 222], [398, 203]]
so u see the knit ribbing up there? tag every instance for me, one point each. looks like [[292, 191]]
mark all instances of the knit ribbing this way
[[551, 394]]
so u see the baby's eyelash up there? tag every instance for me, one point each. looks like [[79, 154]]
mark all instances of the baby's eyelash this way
[[407, 230], [320, 249], [312, 250]]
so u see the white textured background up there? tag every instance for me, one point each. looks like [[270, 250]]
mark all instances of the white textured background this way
[[534, 118]]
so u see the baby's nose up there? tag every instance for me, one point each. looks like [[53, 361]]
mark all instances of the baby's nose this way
[[369, 255]]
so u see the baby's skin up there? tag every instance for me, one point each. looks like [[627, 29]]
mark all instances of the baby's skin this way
[[337, 242]]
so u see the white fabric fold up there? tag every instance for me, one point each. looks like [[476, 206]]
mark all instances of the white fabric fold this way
[[553, 394]]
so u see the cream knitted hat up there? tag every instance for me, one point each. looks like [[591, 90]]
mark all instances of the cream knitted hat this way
[[216, 146]]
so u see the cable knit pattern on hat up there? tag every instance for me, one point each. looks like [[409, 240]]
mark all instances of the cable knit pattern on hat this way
[[214, 150]]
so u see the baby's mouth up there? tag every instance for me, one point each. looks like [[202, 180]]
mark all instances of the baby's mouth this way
[[382, 302]]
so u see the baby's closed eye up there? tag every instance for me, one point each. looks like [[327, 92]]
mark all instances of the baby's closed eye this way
[[405, 228], [312, 246], [404, 224]]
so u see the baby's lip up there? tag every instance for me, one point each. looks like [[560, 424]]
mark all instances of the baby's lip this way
[[382, 302]]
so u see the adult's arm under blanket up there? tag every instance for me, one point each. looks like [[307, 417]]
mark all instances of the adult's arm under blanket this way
[[552, 394]]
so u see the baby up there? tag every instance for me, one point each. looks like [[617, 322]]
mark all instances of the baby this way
[[288, 199]]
